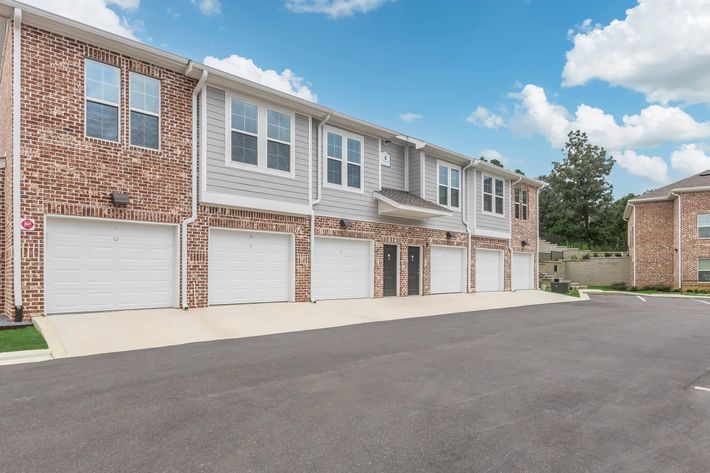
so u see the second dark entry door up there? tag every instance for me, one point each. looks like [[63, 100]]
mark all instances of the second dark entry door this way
[[413, 269]]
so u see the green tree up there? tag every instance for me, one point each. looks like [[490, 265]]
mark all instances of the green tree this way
[[497, 162], [576, 204], [613, 227]]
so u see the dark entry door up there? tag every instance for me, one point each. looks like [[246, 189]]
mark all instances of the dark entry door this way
[[389, 270], [413, 259]]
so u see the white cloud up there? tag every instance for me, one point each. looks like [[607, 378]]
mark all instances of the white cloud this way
[[285, 81], [690, 159], [334, 8], [491, 154], [96, 13], [208, 7], [484, 117], [652, 126], [661, 49], [410, 117], [653, 168]]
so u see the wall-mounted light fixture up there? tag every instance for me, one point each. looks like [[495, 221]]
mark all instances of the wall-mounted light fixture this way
[[120, 198], [346, 224], [524, 243], [449, 235]]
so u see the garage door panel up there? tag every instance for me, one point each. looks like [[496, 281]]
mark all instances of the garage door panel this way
[[342, 269], [94, 265], [489, 270], [522, 271], [447, 269], [247, 267]]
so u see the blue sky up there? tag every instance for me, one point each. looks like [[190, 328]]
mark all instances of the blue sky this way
[[495, 77]]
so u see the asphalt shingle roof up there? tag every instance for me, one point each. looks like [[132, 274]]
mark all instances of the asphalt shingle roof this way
[[699, 180], [405, 198]]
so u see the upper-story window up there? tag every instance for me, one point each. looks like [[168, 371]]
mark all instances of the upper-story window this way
[[103, 94], [704, 226], [145, 111], [521, 203], [449, 185], [493, 191], [344, 160], [260, 137]]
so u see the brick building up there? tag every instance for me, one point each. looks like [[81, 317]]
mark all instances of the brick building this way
[[669, 234], [156, 181]]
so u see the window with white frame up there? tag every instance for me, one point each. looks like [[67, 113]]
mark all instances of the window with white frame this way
[[449, 185], [103, 93], [244, 132], [703, 269], [344, 160], [145, 111], [493, 200], [260, 136], [704, 226], [521, 203]]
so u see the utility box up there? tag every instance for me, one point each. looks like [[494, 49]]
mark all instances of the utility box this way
[[560, 287]]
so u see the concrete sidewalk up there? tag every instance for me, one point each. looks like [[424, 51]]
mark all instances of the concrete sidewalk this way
[[89, 334]]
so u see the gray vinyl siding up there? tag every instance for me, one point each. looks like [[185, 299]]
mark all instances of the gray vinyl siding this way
[[431, 186], [363, 206], [487, 221], [393, 176], [241, 182], [415, 172]]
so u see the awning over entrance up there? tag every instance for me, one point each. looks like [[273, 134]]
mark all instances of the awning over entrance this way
[[396, 203]]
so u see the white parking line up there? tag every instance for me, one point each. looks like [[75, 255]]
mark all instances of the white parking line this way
[[700, 388], [702, 302], [641, 298]]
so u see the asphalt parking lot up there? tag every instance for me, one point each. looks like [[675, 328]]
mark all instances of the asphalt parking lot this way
[[602, 386]]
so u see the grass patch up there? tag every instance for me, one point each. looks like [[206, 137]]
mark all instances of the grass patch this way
[[574, 293], [27, 338], [648, 292]]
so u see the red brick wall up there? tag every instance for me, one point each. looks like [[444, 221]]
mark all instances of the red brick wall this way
[[692, 248], [525, 230], [388, 234], [65, 172], [6, 177], [218, 217], [654, 243]]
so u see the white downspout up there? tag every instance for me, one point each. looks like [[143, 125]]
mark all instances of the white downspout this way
[[464, 216], [320, 192], [197, 90], [16, 87], [680, 241]]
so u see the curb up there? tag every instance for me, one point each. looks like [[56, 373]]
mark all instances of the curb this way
[[669, 295], [24, 356]]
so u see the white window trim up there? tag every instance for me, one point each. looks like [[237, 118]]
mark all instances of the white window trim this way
[[493, 194], [701, 226], [146, 112], [523, 206], [449, 166], [697, 272], [104, 102], [343, 186], [261, 137]]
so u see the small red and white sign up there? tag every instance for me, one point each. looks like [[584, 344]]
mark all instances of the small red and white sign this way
[[27, 224]]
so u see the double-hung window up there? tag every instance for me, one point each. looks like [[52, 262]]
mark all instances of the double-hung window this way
[[493, 199], [704, 226], [103, 93], [344, 160], [703, 269], [145, 111], [449, 185], [261, 138], [521, 203]]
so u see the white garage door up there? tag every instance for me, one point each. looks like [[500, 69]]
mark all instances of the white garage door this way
[[342, 269], [448, 273], [522, 271], [95, 265], [246, 267], [489, 270]]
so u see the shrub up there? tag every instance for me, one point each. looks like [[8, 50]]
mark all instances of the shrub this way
[[606, 255], [586, 256], [619, 286], [633, 288], [657, 287], [574, 258], [596, 255], [619, 255]]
